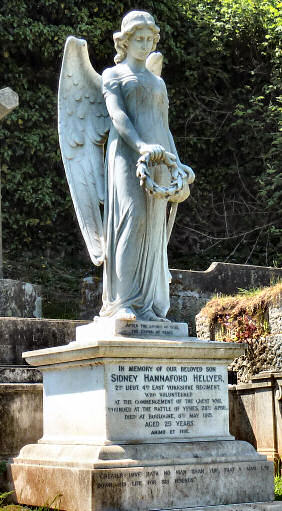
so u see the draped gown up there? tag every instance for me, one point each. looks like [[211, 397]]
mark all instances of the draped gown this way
[[136, 271]]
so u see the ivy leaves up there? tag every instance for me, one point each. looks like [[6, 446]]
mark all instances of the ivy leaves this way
[[223, 72]]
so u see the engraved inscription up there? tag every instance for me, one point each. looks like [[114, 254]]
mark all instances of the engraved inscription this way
[[150, 329], [164, 401], [179, 482]]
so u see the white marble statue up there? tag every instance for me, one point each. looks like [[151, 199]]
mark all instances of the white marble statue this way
[[140, 175]]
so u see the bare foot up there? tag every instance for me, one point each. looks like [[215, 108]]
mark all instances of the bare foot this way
[[151, 316], [126, 313], [164, 320]]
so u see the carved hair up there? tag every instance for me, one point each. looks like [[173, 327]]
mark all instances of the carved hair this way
[[133, 21]]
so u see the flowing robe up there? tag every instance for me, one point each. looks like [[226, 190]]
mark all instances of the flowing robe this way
[[136, 271]]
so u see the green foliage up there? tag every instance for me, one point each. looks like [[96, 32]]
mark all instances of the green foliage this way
[[3, 496], [223, 72], [54, 504], [278, 487], [243, 329], [3, 467], [233, 114]]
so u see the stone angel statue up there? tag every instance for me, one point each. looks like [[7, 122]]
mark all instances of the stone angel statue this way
[[140, 174]]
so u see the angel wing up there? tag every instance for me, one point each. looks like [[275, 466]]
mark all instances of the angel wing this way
[[83, 126], [155, 63]]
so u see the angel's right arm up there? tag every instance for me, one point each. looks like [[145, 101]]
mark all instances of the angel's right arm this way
[[117, 112]]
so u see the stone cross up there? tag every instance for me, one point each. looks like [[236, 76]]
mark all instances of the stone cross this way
[[8, 101]]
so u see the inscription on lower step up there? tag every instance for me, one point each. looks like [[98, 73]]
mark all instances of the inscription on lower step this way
[[146, 477], [188, 485], [167, 401]]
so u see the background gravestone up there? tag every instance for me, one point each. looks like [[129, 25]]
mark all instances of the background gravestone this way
[[8, 101], [17, 298]]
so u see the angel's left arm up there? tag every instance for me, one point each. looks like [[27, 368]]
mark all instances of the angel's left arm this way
[[173, 148]]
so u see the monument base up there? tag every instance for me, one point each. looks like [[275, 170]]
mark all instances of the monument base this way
[[139, 424], [143, 477]]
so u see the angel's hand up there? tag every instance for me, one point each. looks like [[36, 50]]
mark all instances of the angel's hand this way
[[141, 171], [156, 151], [170, 160], [189, 172]]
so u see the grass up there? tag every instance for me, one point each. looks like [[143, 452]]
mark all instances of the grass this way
[[18, 507], [248, 301]]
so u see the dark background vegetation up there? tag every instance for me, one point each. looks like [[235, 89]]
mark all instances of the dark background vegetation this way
[[223, 71]]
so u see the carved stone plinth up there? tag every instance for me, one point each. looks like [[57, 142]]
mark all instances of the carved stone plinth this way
[[134, 424], [111, 327]]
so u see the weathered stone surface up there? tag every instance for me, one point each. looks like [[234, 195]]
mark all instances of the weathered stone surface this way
[[136, 403], [21, 416], [190, 290], [111, 327], [226, 278], [19, 374], [8, 101], [122, 421], [152, 486], [255, 413], [242, 413], [274, 352], [243, 419], [275, 319], [262, 506], [155, 375], [20, 299], [204, 327], [262, 355], [21, 334], [130, 348], [185, 305]]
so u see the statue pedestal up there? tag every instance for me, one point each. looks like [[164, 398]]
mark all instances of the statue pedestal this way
[[134, 424]]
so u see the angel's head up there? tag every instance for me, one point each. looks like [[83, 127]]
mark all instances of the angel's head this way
[[136, 26]]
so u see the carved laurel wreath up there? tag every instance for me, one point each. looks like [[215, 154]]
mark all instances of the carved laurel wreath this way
[[177, 191]]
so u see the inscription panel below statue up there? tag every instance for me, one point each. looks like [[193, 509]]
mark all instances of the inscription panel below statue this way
[[148, 402]]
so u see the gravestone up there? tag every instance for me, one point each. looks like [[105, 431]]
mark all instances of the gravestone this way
[[139, 423], [135, 412], [8, 101]]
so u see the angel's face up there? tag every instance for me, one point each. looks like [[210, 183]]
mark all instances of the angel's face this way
[[140, 44]]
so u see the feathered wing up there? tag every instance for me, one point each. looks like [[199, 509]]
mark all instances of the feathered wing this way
[[83, 126], [155, 63]]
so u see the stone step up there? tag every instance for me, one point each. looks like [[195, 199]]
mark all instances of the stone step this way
[[19, 374], [258, 506], [26, 334]]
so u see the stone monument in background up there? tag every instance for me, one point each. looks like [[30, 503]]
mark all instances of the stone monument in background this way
[[9, 100], [17, 298], [135, 411]]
